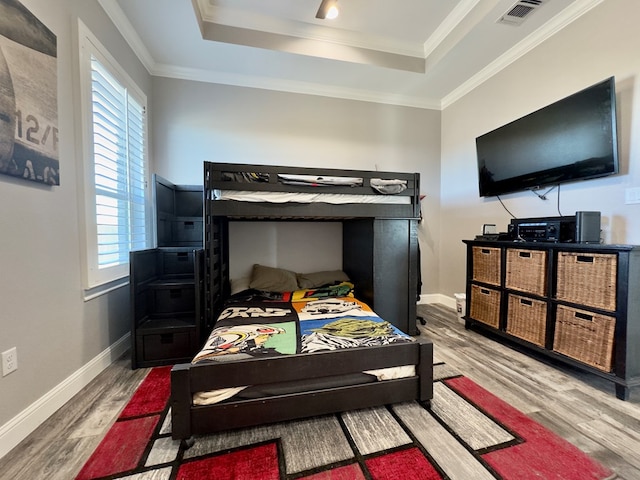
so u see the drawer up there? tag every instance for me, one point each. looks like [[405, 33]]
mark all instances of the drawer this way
[[486, 265], [585, 336], [485, 305], [587, 279], [166, 346], [187, 231], [173, 299], [177, 263], [527, 271], [527, 319]]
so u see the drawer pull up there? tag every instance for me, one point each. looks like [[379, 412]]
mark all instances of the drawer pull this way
[[484, 291], [189, 225], [584, 316], [175, 293], [182, 256], [486, 251], [525, 254], [526, 302], [584, 259]]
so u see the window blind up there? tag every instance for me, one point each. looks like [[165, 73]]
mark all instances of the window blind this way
[[119, 168]]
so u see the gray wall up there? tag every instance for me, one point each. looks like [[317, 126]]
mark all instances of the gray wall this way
[[43, 313], [57, 333], [600, 44], [196, 122]]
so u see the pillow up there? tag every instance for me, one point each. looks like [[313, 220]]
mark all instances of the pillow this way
[[239, 285], [318, 279], [272, 279], [344, 289]]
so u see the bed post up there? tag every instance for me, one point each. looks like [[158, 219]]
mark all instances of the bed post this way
[[180, 402], [425, 370]]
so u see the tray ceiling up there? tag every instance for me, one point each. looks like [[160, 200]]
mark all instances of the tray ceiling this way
[[422, 53]]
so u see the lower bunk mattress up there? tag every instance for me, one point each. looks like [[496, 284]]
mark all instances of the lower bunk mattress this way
[[257, 324]]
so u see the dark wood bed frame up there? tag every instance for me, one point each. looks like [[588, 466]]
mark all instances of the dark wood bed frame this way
[[379, 241], [187, 379], [380, 250]]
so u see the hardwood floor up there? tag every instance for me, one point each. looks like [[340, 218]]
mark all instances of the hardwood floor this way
[[59, 447], [580, 407]]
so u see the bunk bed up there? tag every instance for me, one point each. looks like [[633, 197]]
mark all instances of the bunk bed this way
[[379, 212], [379, 240]]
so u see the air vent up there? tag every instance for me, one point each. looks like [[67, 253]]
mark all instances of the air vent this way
[[519, 12]]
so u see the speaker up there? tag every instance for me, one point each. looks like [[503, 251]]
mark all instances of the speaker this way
[[588, 227]]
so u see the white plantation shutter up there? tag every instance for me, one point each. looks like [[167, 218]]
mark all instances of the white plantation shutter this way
[[118, 138], [119, 154], [114, 165]]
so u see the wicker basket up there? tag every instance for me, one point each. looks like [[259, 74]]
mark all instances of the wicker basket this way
[[527, 271], [527, 319], [588, 279], [485, 305], [486, 265], [585, 336]]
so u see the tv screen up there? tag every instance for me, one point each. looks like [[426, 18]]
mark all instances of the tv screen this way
[[569, 140]]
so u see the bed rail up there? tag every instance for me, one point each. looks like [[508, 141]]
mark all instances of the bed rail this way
[[186, 379], [267, 178]]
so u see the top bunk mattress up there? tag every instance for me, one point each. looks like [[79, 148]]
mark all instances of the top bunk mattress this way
[[238, 190], [303, 197]]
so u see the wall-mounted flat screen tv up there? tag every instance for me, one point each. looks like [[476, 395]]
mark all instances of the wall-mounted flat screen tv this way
[[572, 139]]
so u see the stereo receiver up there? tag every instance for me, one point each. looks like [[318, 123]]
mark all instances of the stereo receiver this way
[[548, 229], [584, 227]]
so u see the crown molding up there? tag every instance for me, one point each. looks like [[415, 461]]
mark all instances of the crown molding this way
[[566, 17], [290, 86], [449, 24], [117, 16], [122, 23]]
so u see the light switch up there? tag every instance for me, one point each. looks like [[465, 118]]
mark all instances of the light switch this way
[[632, 195]]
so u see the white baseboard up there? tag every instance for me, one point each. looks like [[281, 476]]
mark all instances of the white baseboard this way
[[438, 298], [20, 426]]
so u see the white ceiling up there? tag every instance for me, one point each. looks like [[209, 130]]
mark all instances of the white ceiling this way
[[422, 53]]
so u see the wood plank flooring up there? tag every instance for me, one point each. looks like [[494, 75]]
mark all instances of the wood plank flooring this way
[[580, 407], [60, 446]]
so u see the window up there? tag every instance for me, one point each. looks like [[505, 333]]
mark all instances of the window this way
[[114, 163]]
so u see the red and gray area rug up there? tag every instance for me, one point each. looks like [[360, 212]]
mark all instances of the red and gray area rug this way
[[467, 434]]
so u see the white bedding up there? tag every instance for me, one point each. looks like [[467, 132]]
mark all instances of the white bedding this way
[[216, 396], [284, 197], [317, 180]]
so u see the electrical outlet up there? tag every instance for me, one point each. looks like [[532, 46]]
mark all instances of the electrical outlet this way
[[632, 195], [9, 361]]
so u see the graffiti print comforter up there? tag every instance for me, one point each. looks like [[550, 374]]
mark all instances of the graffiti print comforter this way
[[257, 324]]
